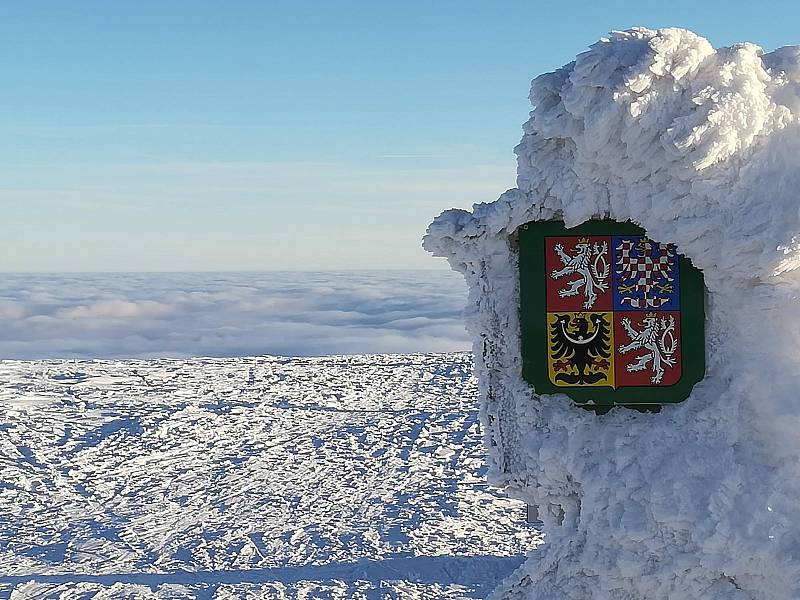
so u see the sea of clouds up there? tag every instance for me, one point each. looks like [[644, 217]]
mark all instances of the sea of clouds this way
[[230, 314]]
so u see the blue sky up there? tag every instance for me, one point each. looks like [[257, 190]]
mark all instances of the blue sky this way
[[192, 135]]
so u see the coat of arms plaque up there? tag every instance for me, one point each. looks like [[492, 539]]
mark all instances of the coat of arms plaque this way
[[608, 315]]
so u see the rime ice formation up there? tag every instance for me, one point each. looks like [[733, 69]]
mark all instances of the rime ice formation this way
[[702, 148]]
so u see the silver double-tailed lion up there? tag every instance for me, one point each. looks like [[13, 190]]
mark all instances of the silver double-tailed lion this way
[[658, 338], [590, 264]]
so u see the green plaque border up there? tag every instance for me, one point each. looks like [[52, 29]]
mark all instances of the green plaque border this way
[[533, 326]]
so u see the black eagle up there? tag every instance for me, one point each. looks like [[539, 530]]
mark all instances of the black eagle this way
[[580, 348]]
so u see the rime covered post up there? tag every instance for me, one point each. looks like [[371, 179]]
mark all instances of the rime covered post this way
[[700, 148]]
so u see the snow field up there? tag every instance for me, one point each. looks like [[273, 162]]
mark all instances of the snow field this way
[[337, 477]]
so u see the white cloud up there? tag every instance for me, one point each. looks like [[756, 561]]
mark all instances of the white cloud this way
[[230, 314], [11, 310], [116, 308]]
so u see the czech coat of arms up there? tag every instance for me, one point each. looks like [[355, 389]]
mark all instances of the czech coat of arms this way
[[609, 316]]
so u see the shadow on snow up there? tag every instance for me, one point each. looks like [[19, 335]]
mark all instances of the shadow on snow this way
[[444, 570]]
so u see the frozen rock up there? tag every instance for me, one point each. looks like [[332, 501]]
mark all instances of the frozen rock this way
[[701, 147]]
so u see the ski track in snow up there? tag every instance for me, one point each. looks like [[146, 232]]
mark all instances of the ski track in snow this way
[[334, 477]]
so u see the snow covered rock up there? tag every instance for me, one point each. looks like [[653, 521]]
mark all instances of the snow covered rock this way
[[701, 147]]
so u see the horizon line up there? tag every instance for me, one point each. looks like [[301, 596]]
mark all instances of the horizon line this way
[[233, 271]]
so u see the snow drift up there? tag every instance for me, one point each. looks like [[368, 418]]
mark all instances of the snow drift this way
[[701, 147]]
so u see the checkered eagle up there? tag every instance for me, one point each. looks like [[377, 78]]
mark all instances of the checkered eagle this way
[[645, 269]]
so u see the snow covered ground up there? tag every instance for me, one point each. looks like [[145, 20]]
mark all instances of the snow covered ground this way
[[335, 477]]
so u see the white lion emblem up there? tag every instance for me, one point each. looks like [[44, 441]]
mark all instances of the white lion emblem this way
[[590, 264], [658, 337]]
